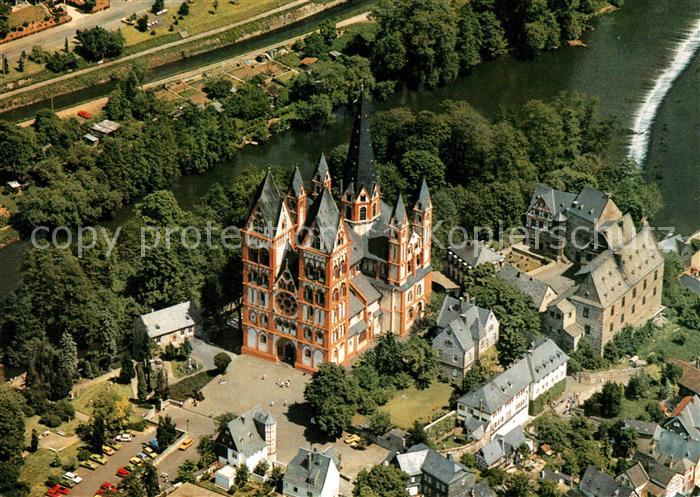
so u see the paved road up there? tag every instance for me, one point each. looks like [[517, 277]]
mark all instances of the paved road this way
[[54, 38], [136, 55]]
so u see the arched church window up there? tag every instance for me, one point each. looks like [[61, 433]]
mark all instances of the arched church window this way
[[363, 213]]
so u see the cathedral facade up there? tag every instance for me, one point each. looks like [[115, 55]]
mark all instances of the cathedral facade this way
[[323, 276]]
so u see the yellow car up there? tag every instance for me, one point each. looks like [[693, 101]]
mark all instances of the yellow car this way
[[89, 465], [352, 439], [99, 458], [136, 461], [186, 444], [151, 453], [108, 451]]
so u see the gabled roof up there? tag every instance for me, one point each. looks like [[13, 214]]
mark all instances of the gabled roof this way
[[595, 483], [532, 287], [555, 200], [359, 165], [243, 434], [686, 417], [309, 469], [364, 285], [690, 379], [466, 321], [170, 319], [420, 459], [589, 204], [324, 216], [637, 475], [475, 253], [545, 359]]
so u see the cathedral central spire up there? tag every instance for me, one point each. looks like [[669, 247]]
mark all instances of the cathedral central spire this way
[[359, 166]]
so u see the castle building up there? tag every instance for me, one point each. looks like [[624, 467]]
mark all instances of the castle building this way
[[323, 276]]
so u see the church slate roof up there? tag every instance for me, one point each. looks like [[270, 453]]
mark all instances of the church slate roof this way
[[595, 483], [364, 285], [296, 186], [398, 216], [359, 165], [321, 167], [269, 200], [424, 200], [325, 216]]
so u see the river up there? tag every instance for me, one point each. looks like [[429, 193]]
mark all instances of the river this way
[[626, 52]]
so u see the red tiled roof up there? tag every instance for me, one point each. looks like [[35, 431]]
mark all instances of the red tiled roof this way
[[681, 405], [690, 379]]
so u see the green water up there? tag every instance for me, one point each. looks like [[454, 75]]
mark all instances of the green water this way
[[626, 51]]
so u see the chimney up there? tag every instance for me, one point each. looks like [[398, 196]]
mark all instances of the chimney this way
[[310, 458]]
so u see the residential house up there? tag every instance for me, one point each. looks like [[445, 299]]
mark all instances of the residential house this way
[[684, 420], [689, 381], [248, 439], [465, 333], [635, 477], [172, 325], [618, 288], [104, 128], [502, 403], [595, 483], [678, 454], [312, 474], [433, 475], [464, 257], [540, 293], [503, 449]]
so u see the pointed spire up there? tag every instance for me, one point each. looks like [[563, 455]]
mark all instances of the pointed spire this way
[[399, 214], [321, 168], [359, 165], [326, 216], [269, 198], [423, 196], [296, 187]]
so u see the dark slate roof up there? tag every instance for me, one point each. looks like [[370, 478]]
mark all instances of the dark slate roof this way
[[355, 306], [482, 489], [358, 328], [269, 199], [359, 165], [532, 287], [423, 196], [309, 469], [466, 321], [555, 200], [296, 187], [643, 428], [325, 216], [321, 167], [595, 483], [364, 285], [244, 431], [421, 459], [589, 204], [637, 475], [398, 216], [475, 253]]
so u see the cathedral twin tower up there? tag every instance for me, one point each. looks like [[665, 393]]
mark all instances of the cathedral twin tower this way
[[322, 279]]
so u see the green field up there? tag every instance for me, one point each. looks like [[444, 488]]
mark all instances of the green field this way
[[411, 404], [663, 340], [37, 467], [85, 398]]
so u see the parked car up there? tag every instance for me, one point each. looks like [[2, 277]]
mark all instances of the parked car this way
[[124, 437], [66, 482], [88, 465], [186, 444], [130, 467], [107, 450], [122, 472], [52, 493], [114, 445], [99, 458], [352, 439], [143, 456], [151, 453], [136, 461], [109, 486], [60, 489], [85, 114], [69, 475]]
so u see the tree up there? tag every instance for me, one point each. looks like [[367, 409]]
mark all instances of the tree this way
[[221, 362], [12, 407], [34, 444], [468, 38], [380, 423], [142, 23], [420, 361], [127, 371], [637, 386], [224, 419], [157, 6], [261, 468], [218, 88], [417, 433], [605, 403], [20, 64], [511, 346], [475, 377], [166, 432], [97, 434], [417, 165], [333, 396], [133, 486], [18, 148], [68, 357], [98, 43], [5, 65], [161, 389], [518, 485], [381, 480], [183, 10], [149, 477], [549, 488], [185, 473], [242, 475], [142, 386], [671, 373]]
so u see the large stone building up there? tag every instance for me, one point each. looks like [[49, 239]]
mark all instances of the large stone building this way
[[323, 277]]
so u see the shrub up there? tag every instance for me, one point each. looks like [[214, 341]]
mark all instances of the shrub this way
[[83, 454], [261, 468], [50, 419], [64, 410], [221, 361]]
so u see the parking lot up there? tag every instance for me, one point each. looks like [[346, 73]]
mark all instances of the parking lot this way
[[93, 479]]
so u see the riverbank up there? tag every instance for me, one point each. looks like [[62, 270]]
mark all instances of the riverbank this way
[[164, 54]]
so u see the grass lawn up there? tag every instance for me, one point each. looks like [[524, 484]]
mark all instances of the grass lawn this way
[[412, 404], [85, 398], [68, 427], [183, 389], [203, 17], [37, 468], [29, 14], [663, 341]]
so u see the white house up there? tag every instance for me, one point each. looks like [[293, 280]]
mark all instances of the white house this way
[[465, 333], [501, 404], [172, 325], [312, 474], [248, 439]]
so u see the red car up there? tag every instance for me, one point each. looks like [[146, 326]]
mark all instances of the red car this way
[[84, 114], [122, 472], [107, 486], [52, 493], [59, 489]]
